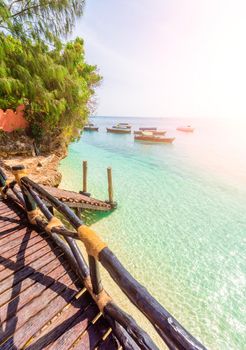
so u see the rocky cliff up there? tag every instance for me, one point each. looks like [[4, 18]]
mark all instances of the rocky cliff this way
[[18, 148]]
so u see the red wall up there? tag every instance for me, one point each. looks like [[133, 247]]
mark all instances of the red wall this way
[[11, 120]]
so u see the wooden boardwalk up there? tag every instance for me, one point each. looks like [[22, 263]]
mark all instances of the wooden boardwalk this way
[[77, 200], [43, 304]]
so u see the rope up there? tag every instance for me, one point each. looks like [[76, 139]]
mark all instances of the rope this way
[[3, 193], [93, 244], [32, 215], [54, 222], [3, 190], [8, 182], [19, 174], [102, 299]]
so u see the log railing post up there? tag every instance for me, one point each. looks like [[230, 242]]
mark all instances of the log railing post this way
[[2, 184], [2, 180], [95, 275], [83, 269], [19, 171]]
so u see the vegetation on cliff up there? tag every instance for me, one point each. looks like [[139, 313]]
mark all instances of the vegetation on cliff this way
[[51, 78]]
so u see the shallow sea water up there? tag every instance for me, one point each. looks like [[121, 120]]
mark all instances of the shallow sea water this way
[[180, 223]]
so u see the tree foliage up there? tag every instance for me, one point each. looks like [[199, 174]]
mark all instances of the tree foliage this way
[[52, 79], [55, 85], [49, 19]]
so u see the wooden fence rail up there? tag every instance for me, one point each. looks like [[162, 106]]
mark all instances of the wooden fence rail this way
[[129, 334]]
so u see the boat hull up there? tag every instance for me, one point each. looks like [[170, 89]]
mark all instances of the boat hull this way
[[154, 132], [91, 128], [154, 139], [118, 131], [147, 129]]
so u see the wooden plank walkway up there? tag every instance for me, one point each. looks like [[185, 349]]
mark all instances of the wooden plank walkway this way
[[42, 302], [77, 200]]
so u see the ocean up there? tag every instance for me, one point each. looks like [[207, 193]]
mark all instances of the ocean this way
[[180, 225]]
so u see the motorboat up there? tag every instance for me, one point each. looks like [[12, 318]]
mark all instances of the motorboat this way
[[90, 127], [154, 132], [124, 125], [118, 130], [149, 137], [147, 129]]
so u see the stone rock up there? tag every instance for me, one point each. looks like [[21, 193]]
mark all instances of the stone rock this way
[[16, 149]]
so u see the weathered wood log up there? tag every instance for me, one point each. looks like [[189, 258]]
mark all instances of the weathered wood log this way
[[171, 343], [78, 256], [78, 212], [110, 186], [18, 195], [13, 198], [39, 203], [66, 249], [64, 232], [62, 208], [146, 303], [123, 337], [95, 275], [29, 202], [2, 181], [72, 244], [137, 333], [2, 174], [85, 171]]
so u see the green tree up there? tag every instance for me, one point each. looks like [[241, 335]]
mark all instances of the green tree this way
[[55, 85], [52, 79], [48, 19]]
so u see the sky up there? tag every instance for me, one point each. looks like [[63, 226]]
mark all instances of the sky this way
[[167, 58]]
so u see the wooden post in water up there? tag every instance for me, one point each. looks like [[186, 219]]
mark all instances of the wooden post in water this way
[[85, 172], [110, 188], [84, 176]]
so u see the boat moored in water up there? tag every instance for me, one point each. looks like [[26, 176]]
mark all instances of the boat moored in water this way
[[154, 132], [118, 130], [123, 125], [187, 128], [91, 127], [147, 129], [149, 137]]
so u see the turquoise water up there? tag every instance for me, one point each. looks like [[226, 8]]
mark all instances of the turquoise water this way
[[180, 224]]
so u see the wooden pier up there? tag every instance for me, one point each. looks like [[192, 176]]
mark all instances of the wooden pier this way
[[51, 298], [78, 200]]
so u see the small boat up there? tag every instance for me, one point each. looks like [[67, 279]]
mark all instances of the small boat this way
[[154, 132], [187, 128], [147, 129], [124, 125], [90, 127], [118, 130], [149, 137]]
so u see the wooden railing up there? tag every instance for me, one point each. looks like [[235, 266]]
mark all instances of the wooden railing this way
[[129, 334]]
